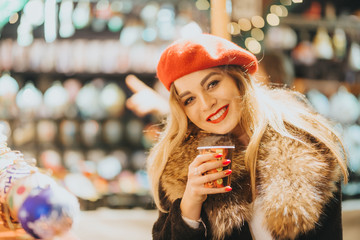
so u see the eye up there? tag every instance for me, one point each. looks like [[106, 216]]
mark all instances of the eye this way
[[213, 84], [188, 100]]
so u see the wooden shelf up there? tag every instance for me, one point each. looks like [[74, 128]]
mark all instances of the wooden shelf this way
[[350, 23]]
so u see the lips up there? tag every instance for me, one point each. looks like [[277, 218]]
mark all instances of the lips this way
[[219, 115]]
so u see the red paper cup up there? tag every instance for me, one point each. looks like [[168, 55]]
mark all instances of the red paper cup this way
[[226, 152]]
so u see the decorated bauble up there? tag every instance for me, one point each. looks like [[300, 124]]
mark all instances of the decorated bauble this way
[[134, 131], [22, 188], [5, 162], [138, 159], [81, 186], [51, 159], [69, 132], [112, 99], [8, 85], [113, 131], [56, 99], [7, 157], [29, 98], [90, 131], [344, 107], [127, 181], [319, 101], [142, 179], [47, 131], [322, 44], [88, 101], [11, 174], [50, 212], [352, 144], [3, 137], [109, 167]]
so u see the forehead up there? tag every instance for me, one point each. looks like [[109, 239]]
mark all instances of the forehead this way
[[194, 79]]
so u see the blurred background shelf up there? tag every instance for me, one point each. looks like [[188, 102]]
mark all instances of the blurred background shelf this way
[[103, 145]]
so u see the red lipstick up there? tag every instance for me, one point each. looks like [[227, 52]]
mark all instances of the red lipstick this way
[[221, 117]]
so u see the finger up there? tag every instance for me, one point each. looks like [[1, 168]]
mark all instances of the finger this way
[[214, 164], [209, 177], [202, 158], [130, 104], [135, 84], [141, 103], [135, 108], [217, 190], [206, 191], [196, 167]]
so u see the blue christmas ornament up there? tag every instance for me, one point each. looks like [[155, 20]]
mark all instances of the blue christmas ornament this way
[[48, 212]]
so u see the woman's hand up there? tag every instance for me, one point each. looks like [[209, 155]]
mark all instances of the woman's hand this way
[[196, 192], [145, 99]]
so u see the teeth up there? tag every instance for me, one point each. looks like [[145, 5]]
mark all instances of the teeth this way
[[221, 112]]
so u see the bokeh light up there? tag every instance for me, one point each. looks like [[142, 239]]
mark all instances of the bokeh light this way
[[14, 18], [285, 2], [244, 24], [258, 34], [258, 21], [273, 19], [253, 45], [275, 9], [202, 4], [284, 11], [233, 28]]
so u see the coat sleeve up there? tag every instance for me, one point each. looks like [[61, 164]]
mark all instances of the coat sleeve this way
[[171, 226], [330, 223], [297, 183]]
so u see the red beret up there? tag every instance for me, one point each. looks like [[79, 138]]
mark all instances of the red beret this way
[[200, 52]]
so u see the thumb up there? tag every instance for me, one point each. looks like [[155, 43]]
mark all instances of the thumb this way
[[135, 84]]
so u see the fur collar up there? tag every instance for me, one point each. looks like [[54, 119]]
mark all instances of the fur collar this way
[[294, 182]]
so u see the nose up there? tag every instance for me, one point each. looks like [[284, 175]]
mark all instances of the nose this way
[[207, 101]]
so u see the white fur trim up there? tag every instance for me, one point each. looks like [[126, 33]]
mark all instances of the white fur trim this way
[[257, 228]]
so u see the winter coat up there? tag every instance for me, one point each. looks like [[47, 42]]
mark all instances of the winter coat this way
[[297, 184]]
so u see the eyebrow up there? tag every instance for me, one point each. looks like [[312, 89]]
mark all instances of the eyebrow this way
[[201, 83]]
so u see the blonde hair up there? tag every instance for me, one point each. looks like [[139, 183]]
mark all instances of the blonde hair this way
[[262, 107]]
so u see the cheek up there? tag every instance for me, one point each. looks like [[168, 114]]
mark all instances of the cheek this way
[[192, 115], [237, 108], [228, 93], [235, 92]]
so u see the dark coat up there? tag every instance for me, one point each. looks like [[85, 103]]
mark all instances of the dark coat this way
[[297, 187]]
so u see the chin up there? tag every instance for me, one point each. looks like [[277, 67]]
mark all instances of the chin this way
[[220, 130]]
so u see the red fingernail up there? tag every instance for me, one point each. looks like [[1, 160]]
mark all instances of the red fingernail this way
[[218, 155], [226, 162], [228, 172], [228, 188]]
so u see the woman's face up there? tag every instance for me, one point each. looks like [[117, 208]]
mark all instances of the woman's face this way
[[210, 100]]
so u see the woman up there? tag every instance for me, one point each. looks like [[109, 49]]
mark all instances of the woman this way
[[287, 164]]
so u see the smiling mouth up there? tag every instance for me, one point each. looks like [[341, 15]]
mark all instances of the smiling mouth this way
[[219, 115]]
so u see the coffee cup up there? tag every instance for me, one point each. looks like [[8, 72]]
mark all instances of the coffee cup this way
[[222, 146]]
